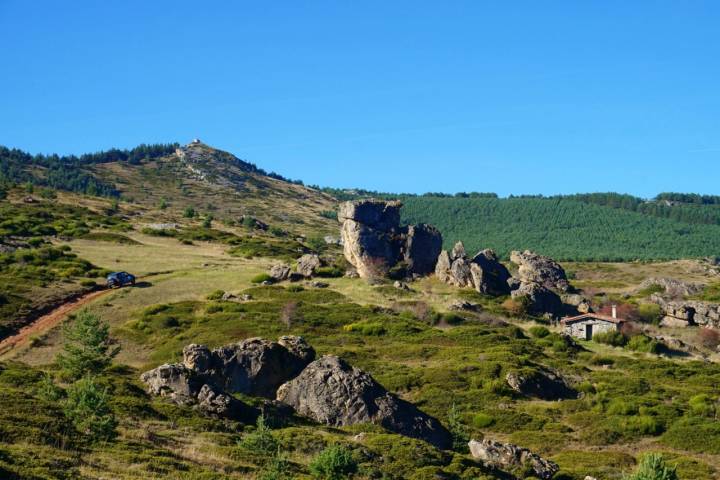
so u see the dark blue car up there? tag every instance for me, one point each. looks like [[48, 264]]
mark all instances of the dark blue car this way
[[120, 279]]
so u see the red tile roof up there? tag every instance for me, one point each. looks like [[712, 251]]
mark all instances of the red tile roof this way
[[596, 316]]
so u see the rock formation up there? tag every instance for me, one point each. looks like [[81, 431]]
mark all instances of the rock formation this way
[[332, 392], [506, 456], [279, 272], [542, 383], [307, 264], [688, 312], [534, 268], [484, 272], [207, 378], [374, 242], [540, 300]]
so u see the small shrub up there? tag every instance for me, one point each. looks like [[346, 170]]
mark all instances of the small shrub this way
[[278, 468], [458, 430], [482, 420], [653, 467], [702, 405], [88, 409], [649, 313], [261, 277], [611, 337], [539, 331], [189, 212], [333, 463], [366, 328], [216, 295], [643, 343], [261, 442]]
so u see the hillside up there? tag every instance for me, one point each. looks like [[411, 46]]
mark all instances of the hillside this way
[[563, 228]]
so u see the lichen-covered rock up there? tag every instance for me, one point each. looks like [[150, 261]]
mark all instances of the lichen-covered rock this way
[[534, 268], [279, 272], [307, 264], [509, 457], [374, 243], [334, 393], [539, 299], [174, 381], [215, 402], [540, 383], [688, 312]]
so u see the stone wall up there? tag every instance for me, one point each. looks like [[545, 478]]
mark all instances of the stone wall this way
[[577, 329]]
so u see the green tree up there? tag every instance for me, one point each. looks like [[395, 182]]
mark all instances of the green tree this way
[[163, 204], [207, 221], [653, 467], [88, 409], [333, 463], [189, 212], [261, 442], [278, 468], [458, 430], [87, 349]]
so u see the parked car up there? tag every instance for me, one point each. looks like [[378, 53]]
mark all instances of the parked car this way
[[120, 279]]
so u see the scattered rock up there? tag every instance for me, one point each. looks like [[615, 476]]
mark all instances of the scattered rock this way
[[401, 285], [253, 222], [331, 240], [332, 392], [246, 297], [374, 242], [319, 285], [484, 272], [279, 272], [506, 456], [463, 305], [307, 264], [534, 268], [229, 297], [540, 383], [539, 299]]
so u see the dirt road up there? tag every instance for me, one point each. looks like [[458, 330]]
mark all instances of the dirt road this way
[[47, 321]]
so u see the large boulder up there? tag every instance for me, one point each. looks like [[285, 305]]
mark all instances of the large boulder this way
[[307, 264], [422, 247], [174, 381], [374, 242], [334, 393], [279, 272], [254, 366], [540, 383], [483, 272], [687, 312], [509, 457], [534, 268], [539, 300]]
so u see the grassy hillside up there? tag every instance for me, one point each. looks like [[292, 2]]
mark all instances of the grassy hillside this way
[[562, 228]]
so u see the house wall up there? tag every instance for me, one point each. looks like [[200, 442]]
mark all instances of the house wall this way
[[577, 329]]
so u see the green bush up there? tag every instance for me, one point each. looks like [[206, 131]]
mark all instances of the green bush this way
[[261, 277], [261, 442], [333, 463], [87, 348], [611, 337], [482, 420], [366, 328], [702, 405], [88, 409], [643, 343], [653, 467], [189, 212], [539, 331], [650, 312], [329, 272]]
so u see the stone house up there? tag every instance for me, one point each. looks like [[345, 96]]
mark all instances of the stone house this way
[[588, 324]]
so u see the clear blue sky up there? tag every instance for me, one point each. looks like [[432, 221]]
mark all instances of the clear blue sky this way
[[511, 97]]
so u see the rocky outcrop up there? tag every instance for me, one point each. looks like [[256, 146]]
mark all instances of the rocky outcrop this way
[[540, 383], [332, 392], [307, 264], [483, 272], [374, 242], [534, 268], [688, 312], [509, 457], [538, 299], [671, 286], [254, 366], [279, 272], [207, 378]]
